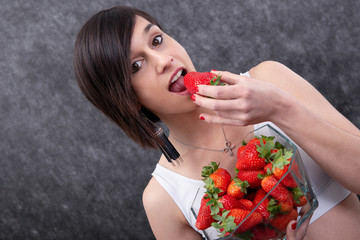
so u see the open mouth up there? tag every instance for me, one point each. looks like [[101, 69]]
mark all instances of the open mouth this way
[[177, 82]]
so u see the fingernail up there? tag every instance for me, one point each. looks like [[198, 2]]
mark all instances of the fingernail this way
[[202, 118], [196, 89], [193, 97], [213, 70], [293, 226]]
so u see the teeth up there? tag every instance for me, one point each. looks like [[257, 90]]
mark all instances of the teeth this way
[[176, 77]]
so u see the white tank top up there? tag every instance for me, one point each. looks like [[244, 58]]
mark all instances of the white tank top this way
[[183, 190]]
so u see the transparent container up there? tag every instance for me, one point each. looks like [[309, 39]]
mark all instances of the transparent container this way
[[296, 170]]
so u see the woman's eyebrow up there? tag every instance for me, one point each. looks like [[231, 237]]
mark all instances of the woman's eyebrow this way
[[147, 28]]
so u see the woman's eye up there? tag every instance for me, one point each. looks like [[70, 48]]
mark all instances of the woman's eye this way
[[157, 40], [136, 66]]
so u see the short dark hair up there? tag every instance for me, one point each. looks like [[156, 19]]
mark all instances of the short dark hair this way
[[103, 71]]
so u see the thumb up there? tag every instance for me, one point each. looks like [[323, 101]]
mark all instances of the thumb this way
[[291, 230]]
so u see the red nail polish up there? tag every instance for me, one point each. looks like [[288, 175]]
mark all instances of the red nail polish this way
[[202, 118], [196, 89], [193, 97], [293, 226], [213, 70]]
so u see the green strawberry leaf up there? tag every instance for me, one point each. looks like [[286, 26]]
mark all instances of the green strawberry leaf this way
[[297, 194], [226, 224], [262, 176], [216, 225], [279, 146], [264, 150], [282, 160], [214, 210], [241, 184], [217, 217], [208, 170], [215, 81], [211, 190], [273, 207], [276, 155]]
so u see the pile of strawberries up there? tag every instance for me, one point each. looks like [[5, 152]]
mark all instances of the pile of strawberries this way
[[261, 163]]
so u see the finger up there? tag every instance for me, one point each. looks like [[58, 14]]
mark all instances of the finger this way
[[220, 92], [302, 229], [214, 119], [228, 77], [234, 114], [218, 104], [291, 230]]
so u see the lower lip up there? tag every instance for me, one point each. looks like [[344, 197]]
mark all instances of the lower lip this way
[[183, 93]]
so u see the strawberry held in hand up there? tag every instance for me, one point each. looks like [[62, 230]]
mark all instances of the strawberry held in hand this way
[[193, 79]]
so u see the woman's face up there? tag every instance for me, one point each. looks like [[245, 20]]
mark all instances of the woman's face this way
[[158, 66]]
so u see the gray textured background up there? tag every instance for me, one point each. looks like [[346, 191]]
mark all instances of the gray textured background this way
[[67, 172]]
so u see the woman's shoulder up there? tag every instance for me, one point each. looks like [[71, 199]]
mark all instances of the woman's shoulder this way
[[284, 78], [155, 200], [269, 67], [152, 191], [155, 195]]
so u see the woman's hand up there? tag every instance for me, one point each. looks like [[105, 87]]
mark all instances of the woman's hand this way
[[296, 234], [244, 101]]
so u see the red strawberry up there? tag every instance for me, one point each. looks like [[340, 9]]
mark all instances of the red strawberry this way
[[263, 232], [288, 180], [229, 202], [254, 140], [251, 176], [246, 204], [287, 205], [268, 167], [192, 79], [239, 214], [280, 221], [281, 167], [204, 218], [280, 192], [249, 159], [237, 188], [241, 150], [220, 178], [263, 207], [299, 197], [300, 202]]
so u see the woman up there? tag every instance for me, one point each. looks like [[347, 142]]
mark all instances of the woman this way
[[133, 72]]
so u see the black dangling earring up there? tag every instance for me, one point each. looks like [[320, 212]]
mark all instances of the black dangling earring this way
[[166, 147]]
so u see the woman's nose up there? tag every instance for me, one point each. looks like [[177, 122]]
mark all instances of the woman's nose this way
[[163, 62]]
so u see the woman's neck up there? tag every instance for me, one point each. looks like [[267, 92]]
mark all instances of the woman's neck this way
[[190, 130]]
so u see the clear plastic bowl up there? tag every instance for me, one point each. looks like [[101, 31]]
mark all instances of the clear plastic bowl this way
[[297, 171]]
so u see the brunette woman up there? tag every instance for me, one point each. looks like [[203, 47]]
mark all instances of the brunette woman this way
[[133, 72]]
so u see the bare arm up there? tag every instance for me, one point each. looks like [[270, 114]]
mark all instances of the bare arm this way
[[166, 219], [277, 94]]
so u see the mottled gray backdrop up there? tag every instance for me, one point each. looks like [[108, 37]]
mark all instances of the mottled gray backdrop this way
[[66, 171]]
